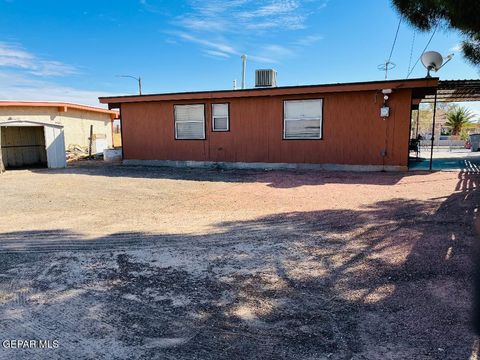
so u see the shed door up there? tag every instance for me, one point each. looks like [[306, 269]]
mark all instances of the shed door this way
[[55, 144], [23, 146]]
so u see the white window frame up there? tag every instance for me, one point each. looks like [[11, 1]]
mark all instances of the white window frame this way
[[188, 121], [285, 119], [228, 117]]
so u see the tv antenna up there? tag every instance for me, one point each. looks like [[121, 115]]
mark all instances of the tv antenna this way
[[387, 65]]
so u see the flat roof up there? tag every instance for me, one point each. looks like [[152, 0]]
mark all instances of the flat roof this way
[[62, 106], [430, 83]]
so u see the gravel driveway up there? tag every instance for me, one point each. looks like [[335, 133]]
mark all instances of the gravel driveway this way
[[136, 263]]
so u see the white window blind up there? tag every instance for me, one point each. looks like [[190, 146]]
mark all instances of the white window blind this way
[[220, 117], [189, 122], [303, 119]]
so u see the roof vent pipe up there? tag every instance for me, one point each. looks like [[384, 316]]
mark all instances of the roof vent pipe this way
[[244, 67]]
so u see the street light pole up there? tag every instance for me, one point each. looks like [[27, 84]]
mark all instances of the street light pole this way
[[139, 79]]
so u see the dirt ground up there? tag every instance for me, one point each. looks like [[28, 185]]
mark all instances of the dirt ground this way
[[137, 263]]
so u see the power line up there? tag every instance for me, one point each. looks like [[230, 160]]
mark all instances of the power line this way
[[425, 48], [388, 64], [394, 40], [411, 53]]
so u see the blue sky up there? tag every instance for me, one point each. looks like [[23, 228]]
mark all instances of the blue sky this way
[[73, 50]]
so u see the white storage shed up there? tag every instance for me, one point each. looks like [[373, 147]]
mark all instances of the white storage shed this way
[[32, 144]]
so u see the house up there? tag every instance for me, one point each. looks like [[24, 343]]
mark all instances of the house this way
[[350, 126], [37, 133]]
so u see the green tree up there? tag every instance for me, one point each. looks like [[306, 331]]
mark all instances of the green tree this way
[[457, 118], [426, 117], [463, 15]]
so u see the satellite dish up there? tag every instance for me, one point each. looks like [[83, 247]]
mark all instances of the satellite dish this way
[[432, 60]]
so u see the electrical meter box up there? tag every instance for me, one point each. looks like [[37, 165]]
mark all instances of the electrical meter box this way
[[384, 111]]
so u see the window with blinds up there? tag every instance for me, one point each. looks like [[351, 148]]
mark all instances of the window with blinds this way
[[302, 119], [220, 117], [189, 122]]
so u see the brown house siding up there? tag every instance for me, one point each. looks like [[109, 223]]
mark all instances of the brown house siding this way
[[353, 131]]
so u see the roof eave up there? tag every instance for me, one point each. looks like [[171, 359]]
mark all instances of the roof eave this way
[[61, 106], [286, 90]]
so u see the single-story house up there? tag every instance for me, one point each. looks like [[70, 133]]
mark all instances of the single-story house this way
[[350, 126], [38, 133]]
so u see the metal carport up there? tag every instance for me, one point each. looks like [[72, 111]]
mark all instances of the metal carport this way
[[446, 91]]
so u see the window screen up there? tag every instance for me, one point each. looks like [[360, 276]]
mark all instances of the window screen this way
[[220, 118], [303, 119], [189, 122]]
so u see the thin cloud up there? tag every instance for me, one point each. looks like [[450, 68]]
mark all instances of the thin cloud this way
[[274, 9], [278, 50], [234, 27], [149, 7], [216, 45], [287, 22], [456, 48], [235, 16], [309, 40], [14, 56], [210, 8], [17, 66], [217, 54], [202, 25], [222, 49], [14, 86], [262, 59]]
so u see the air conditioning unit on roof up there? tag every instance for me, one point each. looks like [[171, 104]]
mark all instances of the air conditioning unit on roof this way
[[265, 78]]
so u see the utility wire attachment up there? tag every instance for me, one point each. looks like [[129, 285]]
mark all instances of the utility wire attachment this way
[[411, 53], [388, 64], [425, 48]]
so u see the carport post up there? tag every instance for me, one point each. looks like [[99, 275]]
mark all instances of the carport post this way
[[418, 118], [433, 129]]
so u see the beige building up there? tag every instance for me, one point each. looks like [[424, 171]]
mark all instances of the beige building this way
[[36, 134], [76, 120]]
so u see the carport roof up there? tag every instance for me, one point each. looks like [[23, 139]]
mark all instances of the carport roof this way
[[455, 91]]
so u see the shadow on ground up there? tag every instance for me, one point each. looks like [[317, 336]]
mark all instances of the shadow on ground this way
[[276, 179], [388, 281]]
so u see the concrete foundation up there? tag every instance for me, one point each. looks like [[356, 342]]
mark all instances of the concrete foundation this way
[[263, 166]]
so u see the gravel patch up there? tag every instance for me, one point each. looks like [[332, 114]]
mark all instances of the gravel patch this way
[[134, 262]]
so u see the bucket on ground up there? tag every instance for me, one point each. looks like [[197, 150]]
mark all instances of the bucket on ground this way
[[112, 155]]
